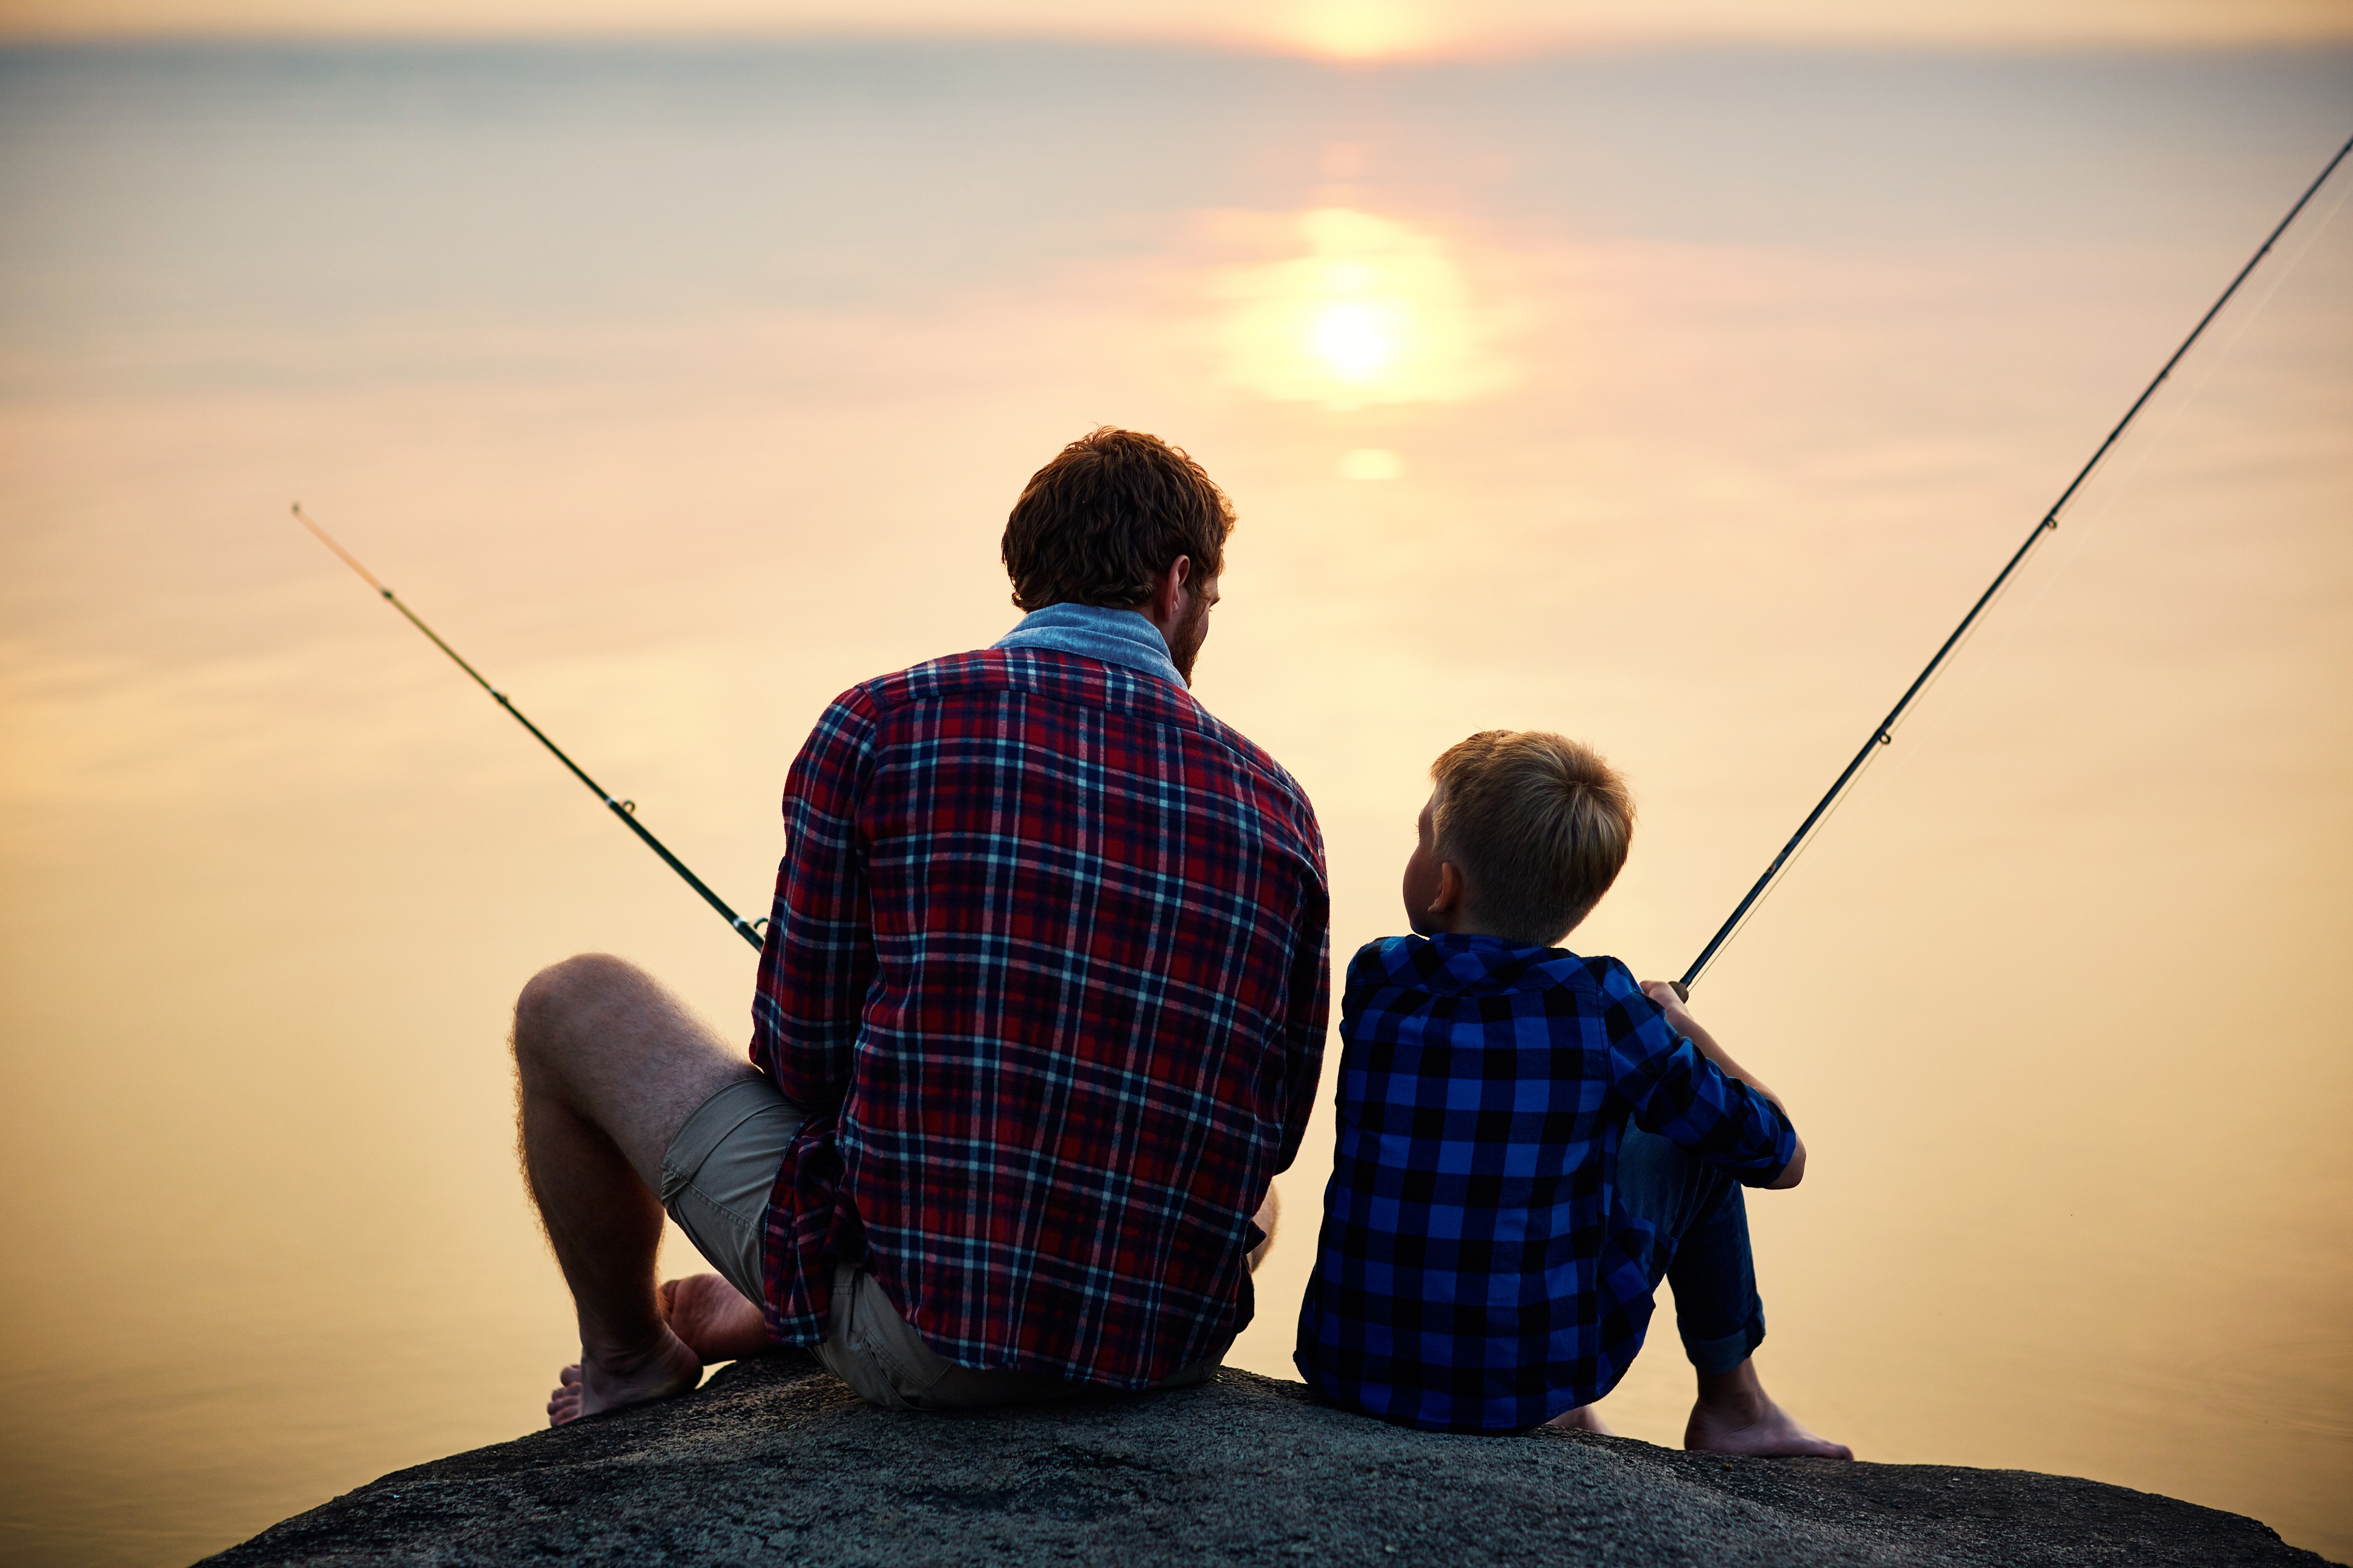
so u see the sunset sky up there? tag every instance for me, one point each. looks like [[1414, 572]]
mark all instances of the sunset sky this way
[[1343, 28]]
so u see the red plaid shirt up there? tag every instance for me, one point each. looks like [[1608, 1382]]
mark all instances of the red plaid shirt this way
[[1047, 969]]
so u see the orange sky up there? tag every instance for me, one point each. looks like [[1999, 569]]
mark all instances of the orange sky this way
[[1333, 27]]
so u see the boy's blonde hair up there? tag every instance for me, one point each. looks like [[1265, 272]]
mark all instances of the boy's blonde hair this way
[[1540, 826]]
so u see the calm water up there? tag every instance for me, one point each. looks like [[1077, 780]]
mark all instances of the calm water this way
[[1676, 401]]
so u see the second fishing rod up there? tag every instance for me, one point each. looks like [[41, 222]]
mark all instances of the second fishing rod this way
[[1884, 732], [627, 810]]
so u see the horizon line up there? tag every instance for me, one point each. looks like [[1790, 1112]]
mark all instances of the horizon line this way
[[1488, 51]]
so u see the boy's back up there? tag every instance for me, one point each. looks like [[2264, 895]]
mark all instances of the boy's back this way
[[1476, 1271], [1529, 1142]]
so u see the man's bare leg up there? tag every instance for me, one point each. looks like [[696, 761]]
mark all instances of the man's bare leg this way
[[609, 1066], [1735, 1415]]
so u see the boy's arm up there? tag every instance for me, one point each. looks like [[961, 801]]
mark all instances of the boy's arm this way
[[1679, 1018]]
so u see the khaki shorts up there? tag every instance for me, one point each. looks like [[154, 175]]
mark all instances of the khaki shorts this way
[[717, 1178]]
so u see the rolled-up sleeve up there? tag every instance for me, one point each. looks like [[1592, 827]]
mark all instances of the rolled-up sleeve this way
[[1670, 1089], [819, 958]]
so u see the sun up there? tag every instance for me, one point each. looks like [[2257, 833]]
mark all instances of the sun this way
[[1354, 340], [1378, 311], [1360, 29]]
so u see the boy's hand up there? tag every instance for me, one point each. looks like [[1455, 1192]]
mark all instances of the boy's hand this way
[[1662, 992], [1679, 1019]]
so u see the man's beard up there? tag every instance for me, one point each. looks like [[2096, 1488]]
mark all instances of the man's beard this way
[[1191, 633]]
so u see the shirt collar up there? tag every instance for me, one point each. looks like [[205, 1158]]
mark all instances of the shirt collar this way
[[1114, 636], [1479, 963]]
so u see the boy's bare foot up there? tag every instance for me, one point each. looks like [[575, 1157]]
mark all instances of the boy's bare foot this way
[[1584, 1419], [591, 1385], [1735, 1415], [713, 1319], [1269, 1219]]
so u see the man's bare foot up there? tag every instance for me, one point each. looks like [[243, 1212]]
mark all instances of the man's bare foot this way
[[1735, 1415], [1584, 1419], [713, 1319], [591, 1385]]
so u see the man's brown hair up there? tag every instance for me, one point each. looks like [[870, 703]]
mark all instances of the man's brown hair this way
[[1538, 825], [1108, 515]]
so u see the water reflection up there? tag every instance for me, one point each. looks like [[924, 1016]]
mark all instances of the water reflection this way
[[1377, 312]]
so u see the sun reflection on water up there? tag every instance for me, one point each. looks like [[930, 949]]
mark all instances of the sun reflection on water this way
[[1376, 313]]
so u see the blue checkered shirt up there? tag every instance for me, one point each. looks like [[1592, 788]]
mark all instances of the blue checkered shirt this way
[[1476, 1272]]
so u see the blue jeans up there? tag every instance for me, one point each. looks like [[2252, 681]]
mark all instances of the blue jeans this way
[[1696, 1212]]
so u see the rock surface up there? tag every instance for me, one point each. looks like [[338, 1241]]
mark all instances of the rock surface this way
[[775, 1462]]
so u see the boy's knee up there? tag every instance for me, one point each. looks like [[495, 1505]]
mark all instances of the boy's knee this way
[[1658, 1182], [564, 991]]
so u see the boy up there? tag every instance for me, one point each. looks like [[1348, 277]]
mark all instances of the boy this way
[[1529, 1142]]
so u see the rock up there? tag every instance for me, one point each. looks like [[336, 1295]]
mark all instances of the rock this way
[[775, 1462]]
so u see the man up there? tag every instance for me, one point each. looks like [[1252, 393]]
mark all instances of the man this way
[[1038, 1018]]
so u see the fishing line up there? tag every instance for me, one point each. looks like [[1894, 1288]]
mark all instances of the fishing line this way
[[2084, 527], [2144, 442], [1884, 733], [627, 810]]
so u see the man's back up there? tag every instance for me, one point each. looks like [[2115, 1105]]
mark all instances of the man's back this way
[[1039, 1013], [1047, 967]]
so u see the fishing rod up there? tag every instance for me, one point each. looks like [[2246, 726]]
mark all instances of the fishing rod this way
[[1884, 733], [624, 809]]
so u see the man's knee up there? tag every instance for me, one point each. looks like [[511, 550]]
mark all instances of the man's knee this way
[[562, 992]]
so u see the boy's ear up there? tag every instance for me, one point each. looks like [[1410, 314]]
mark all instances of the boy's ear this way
[[1450, 889]]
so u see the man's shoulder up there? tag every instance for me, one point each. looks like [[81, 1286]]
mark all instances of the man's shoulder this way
[[1259, 764], [980, 674], [992, 675], [977, 672]]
